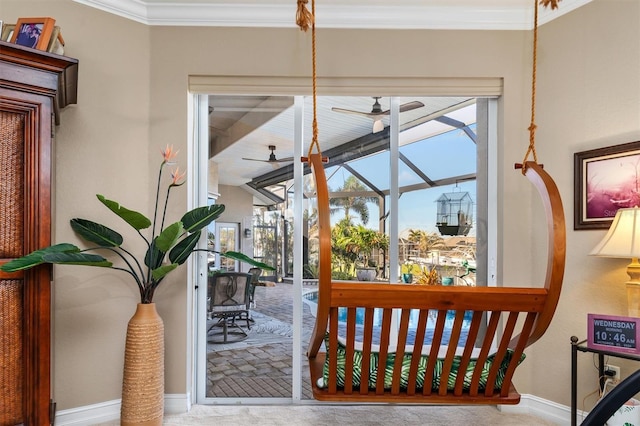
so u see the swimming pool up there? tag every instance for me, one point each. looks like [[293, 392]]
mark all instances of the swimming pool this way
[[311, 299]]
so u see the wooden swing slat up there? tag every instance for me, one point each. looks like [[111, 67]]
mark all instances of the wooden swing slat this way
[[333, 347], [502, 351], [451, 352], [474, 327], [384, 351], [402, 341], [351, 337], [366, 353], [415, 355], [524, 312], [519, 348], [433, 353]]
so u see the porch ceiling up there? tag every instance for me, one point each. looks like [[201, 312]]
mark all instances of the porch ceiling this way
[[244, 127]]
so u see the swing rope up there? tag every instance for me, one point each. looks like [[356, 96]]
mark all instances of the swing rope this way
[[306, 19], [532, 126]]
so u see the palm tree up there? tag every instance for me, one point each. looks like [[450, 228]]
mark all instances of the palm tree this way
[[426, 241], [356, 204], [368, 240], [342, 248], [355, 244]]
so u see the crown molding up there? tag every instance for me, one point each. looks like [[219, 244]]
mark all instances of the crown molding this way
[[401, 14]]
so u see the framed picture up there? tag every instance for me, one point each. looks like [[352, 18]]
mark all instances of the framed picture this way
[[56, 43], [7, 32], [33, 32], [605, 180]]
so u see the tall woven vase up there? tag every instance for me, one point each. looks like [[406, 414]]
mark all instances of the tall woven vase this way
[[143, 381]]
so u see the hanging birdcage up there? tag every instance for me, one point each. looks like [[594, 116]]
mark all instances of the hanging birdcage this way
[[455, 213]]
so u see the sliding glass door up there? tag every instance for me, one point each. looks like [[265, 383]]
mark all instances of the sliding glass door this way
[[408, 179]]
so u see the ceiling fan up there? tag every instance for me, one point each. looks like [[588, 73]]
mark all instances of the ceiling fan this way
[[377, 113], [272, 158]]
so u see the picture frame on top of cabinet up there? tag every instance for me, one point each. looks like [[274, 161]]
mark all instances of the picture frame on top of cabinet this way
[[7, 32], [56, 42], [33, 32]]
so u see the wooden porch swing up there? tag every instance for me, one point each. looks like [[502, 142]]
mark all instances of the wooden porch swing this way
[[363, 363]]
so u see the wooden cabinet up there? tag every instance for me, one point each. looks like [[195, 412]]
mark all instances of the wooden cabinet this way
[[34, 85]]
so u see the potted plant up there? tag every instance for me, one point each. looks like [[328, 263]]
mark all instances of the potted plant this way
[[429, 276], [167, 247], [407, 271], [448, 273], [362, 241]]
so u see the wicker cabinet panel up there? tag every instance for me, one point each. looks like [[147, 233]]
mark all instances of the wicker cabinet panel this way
[[11, 290], [11, 352], [11, 184]]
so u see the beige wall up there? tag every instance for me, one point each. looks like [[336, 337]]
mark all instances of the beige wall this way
[[238, 209], [133, 100], [588, 97]]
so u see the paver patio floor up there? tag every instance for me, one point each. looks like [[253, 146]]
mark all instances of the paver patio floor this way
[[261, 365]]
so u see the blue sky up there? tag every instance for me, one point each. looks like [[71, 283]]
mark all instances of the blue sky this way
[[448, 154]]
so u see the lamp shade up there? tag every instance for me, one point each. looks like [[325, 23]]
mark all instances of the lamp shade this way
[[623, 238]]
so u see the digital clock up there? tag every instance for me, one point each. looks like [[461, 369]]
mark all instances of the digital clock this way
[[613, 333]]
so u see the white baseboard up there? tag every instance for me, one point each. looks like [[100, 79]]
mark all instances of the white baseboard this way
[[89, 414], [543, 408], [110, 411]]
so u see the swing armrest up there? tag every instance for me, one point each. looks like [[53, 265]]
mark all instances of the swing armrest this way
[[556, 243]]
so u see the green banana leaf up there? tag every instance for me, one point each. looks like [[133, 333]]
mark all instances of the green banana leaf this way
[[58, 253], [96, 233], [244, 258], [196, 219], [153, 257], [85, 259], [181, 252], [169, 236], [137, 220], [160, 272]]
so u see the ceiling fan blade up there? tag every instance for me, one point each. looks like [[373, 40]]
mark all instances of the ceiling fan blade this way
[[256, 159], [410, 105], [272, 158], [405, 107], [350, 111], [278, 160]]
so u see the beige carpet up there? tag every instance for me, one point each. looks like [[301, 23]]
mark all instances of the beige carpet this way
[[332, 415]]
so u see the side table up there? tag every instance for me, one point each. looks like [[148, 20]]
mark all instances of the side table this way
[[582, 347]]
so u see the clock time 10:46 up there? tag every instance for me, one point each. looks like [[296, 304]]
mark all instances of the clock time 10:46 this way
[[603, 336]]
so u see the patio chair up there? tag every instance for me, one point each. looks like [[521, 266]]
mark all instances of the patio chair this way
[[255, 278], [228, 300]]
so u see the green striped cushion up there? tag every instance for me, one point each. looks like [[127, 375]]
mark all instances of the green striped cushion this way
[[406, 363]]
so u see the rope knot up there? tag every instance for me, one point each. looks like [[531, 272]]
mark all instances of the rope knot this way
[[304, 18]]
